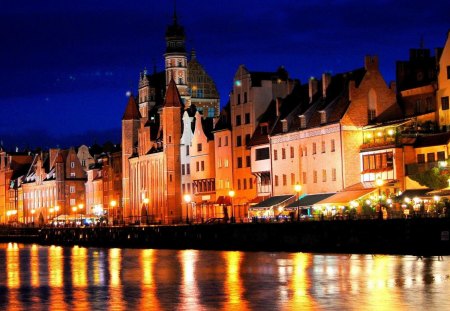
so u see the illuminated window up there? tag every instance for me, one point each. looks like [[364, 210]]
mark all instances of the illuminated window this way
[[324, 175], [72, 189]]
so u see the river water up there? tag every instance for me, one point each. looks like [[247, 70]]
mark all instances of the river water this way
[[34, 277]]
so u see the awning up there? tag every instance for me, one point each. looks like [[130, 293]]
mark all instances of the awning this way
[[346, 196], [308, 200], [421, 193], [273, 201], [223, 200]]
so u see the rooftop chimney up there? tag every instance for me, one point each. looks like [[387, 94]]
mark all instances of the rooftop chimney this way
[[326, 80], [313, 86]]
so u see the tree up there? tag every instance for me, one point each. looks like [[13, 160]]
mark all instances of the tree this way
[[433, 178]]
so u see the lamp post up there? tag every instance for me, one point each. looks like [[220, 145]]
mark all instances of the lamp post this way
[[297, 189], [379, 182], [74, 210], [50, 212], [32, 216], [146, 200], [231, 193], [187, 199], [113, 204], [56, 208], [80, 207]]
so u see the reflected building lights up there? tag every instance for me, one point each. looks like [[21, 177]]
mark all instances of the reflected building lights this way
[[149, 298], [115, 283], [34, 266], [79, 276], [12, 265], [56, 277], [233, 283], [300, 284], [189, 290]]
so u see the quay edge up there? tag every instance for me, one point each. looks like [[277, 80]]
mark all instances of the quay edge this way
[[418, 236]]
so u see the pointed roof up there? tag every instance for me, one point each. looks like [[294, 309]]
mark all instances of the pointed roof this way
[[172, 95], [131, 112]]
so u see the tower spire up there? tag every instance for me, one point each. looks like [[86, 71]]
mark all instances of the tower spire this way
[[174, 12]]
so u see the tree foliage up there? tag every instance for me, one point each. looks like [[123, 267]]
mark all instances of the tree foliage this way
[[433, 178]]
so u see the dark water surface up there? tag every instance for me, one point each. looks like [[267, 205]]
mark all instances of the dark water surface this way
[[36, 277]]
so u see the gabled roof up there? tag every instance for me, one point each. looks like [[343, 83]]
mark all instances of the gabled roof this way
[[131, 111], [173, 98]]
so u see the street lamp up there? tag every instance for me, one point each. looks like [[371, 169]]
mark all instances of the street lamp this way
[[297, 189], [50, 211], [56, 214], [379, 182], [80, 207], [187, 199], [231, 193], [74, 210], [32, 215], [146, 200], [113, 204]]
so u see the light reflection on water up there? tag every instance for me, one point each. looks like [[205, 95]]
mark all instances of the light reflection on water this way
[[56, 278]]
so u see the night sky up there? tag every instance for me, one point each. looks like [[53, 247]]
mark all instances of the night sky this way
[[66, 65]]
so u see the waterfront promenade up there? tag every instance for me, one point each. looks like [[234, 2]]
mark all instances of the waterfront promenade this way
[[416, 236]]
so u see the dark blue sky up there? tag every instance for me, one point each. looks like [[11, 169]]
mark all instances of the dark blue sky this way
[[67, 65]]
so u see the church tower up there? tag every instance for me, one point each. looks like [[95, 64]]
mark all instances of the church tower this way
[[130, 127], [175, 57], [171, 125]]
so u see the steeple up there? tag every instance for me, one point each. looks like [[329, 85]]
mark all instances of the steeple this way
[[131, 112], [172, 95], [175, 37]]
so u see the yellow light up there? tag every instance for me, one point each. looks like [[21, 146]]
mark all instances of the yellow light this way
[[74, 208], [369, 135], [33, 211], [407, 200], [231, 193], [379, 134], [298, 188], [113, 203], [146, 200], [436, 198], [379, 182], [187, 198], [56, 208], [391, 132], [80, 206]]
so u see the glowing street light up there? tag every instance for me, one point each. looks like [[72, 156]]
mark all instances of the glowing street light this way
[[379, 182], [231, 194], [187, 199]]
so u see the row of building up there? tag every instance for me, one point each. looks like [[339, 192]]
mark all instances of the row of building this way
[[336, 142]]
